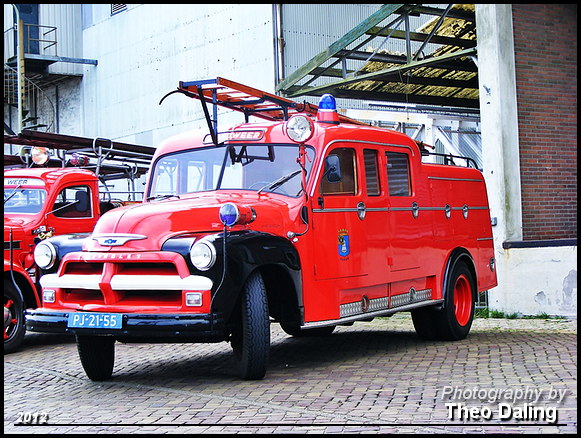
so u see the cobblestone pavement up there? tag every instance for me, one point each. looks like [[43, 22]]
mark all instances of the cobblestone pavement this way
[[376, 377]]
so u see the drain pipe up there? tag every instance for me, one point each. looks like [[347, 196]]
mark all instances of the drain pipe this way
[[279, 42], [19, 64]]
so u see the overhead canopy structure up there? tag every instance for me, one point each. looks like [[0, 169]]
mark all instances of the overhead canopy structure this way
[[445, 75]]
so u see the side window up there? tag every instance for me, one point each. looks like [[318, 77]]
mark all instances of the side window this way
[[371, 172], [398, 174], [73, 202], [348, 183]]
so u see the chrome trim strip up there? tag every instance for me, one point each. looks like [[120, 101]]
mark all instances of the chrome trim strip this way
[[347, 210], [454, 179], [388, 209], [328, 145], [127, 282], [71, 281]]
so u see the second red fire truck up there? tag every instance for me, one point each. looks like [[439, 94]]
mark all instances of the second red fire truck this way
[[304, 218]]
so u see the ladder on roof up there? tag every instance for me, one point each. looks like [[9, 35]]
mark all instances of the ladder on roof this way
[[248, 100]]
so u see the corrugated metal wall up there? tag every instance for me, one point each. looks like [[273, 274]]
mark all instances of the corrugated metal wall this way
[[67, 19]]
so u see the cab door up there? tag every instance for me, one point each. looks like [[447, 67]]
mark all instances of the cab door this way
[[72, 211], [339, 235], [404, 235]]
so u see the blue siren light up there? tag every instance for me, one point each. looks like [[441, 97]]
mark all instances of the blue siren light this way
[[327, 112], [229, 214], [327, 102]]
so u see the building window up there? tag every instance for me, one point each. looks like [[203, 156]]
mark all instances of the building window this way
[[117, 8]]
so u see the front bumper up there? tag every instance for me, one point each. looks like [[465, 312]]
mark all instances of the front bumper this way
[[138, 327]]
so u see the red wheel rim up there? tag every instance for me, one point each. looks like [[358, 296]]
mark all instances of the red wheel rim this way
[[462, 300], [10, 328]]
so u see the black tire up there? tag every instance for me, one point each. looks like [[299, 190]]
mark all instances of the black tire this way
[[315, 332], [14, 326], [425, 323], [455, 319], [97, 354], [251, 344]]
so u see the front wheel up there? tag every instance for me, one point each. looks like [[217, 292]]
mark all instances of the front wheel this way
[[97, 354], [455, 319], [251, 343], [14, 327]]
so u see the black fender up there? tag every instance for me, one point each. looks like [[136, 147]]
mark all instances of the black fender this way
[[64, 244], [247, 251], [23, 283], [456, 255]]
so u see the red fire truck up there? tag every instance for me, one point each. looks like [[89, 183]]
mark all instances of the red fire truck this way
[[304, 218], [43, 201]]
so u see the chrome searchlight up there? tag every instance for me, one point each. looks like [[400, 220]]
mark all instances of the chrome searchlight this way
[[299, 128], [39, 155]]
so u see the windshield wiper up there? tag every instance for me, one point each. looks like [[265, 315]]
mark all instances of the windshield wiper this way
[[12, 194], [279, 182], [159, 197]]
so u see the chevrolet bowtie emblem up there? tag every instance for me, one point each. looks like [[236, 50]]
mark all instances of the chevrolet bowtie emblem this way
[[117, 239]]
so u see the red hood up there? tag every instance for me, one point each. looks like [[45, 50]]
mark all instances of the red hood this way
[[160, 220], [17, 229], [19, 221]]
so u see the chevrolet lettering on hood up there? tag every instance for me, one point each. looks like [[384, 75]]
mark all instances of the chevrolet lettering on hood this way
[[304, 218]]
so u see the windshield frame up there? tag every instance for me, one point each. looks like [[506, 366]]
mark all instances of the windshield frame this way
[[238, 157]]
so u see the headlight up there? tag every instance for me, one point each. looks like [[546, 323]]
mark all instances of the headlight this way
[[299, 128], [203, 255], [45, 255]]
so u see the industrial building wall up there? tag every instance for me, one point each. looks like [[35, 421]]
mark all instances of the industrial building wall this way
[[145, 50], [545, 37]]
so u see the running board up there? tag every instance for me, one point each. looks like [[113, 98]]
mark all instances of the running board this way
[[371, 314]]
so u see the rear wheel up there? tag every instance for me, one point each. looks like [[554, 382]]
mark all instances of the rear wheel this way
[[251, 343], [425, 324], [455, 319], [14, 327], [97, 354]]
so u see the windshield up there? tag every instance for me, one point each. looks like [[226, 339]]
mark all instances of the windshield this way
[[264, 168], [19, 200]]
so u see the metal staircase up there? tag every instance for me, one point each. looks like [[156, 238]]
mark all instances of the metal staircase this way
[[38, 112]]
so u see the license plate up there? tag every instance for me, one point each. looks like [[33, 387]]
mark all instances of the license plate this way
[[95, 320]]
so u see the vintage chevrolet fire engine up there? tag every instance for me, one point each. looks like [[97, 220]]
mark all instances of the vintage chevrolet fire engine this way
[[305, 218]]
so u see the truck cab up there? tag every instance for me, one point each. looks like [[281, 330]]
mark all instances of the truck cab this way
[[40, 202], [305, 218]]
